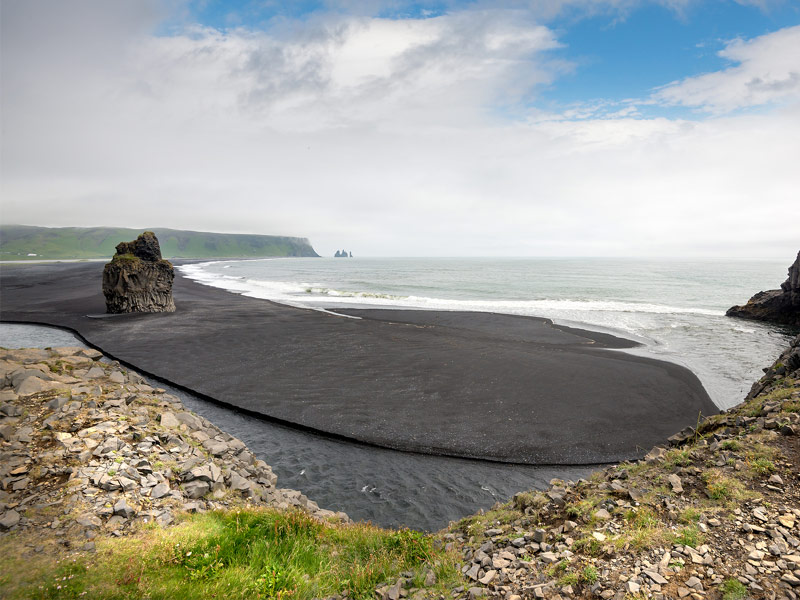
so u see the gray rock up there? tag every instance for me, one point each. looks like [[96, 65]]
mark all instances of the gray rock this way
[[33, 385], [7, 432], [196, 489], [168, 420], [191, 421], [476, 592], [159, 491], [9, 519], [675, 482], [95, 373], [56, 403], [123, 509]]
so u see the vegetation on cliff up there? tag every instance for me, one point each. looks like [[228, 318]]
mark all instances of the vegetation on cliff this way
[[17, 242]]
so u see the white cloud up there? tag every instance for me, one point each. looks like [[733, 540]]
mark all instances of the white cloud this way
[[387, 137], [767, 70]]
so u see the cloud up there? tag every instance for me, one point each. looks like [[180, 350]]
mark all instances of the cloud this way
[[390, 137], [766, 70]]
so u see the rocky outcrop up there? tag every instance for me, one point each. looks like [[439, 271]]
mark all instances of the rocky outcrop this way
[[97, 449], [137, 279], [778, 306]]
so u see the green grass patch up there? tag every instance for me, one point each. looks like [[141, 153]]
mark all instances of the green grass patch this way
[[689, 536], [239, 554], [677, 457], [723, 488], [733, 589], [733, 445]]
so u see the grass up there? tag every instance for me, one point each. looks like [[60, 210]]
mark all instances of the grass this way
[[722, 488], [644, 530], [677, 457], [689, 536], [256, 553], [733, 445], [477, 523], [733, 589]]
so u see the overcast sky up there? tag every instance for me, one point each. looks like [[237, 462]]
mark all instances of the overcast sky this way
[[394, 128]]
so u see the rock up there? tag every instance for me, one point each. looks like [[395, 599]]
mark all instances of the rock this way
[[488, 577], [159, 491], [168, 420], [675, 482], [631, 587], [95, 373], [6, 432], [123, 509], [476, 592], [33, 385], [778, 306], [430, 579], [137, 279], [196, 489], [9, 519], [602, 514]]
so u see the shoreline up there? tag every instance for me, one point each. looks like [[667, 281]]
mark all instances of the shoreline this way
[[346, 378]]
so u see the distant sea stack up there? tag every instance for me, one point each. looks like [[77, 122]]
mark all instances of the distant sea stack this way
[[137, 279], [778, 306], [343, 254]]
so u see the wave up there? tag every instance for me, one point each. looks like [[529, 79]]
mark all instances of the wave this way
[[313, 295]]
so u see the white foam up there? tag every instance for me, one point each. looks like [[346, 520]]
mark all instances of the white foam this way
[[312, 295]]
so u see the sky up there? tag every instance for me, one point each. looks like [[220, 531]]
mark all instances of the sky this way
[[411, 128]]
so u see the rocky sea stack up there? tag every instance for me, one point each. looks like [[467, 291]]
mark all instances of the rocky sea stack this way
[[137, 279], [778, 306]]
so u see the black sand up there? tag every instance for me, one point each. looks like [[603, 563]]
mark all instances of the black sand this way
[[480, 385]]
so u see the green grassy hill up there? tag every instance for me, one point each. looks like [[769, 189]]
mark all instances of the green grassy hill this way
[[23, 242]]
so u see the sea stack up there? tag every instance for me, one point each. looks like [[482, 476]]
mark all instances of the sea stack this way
[[778, 306], [137, 279]]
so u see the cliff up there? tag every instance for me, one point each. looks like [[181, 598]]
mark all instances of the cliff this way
[[17, 242], [778, 306]]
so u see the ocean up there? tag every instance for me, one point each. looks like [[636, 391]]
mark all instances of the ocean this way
[[674, 307]]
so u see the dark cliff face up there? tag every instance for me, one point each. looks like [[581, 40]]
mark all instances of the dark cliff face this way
[[137, 279], [778, 306]]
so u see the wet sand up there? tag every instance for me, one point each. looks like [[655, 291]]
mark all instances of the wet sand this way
[[478, 385]]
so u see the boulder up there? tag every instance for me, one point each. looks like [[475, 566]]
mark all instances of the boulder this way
[[778, 306], [137, 279]]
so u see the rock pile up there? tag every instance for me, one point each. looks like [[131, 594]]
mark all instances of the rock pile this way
[[779, 306], [716, 514], [89, 447], [137, 279]]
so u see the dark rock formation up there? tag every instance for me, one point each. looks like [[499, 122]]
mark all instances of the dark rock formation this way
[[779, 306], [137, 279]]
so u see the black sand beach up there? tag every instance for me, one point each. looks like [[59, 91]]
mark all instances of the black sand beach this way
[[478, 385]]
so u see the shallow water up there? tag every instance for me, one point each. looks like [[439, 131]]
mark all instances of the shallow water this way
[[386, 487]]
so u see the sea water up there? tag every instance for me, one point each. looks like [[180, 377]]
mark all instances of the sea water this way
[[674, 307]]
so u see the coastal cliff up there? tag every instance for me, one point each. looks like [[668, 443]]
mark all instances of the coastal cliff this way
[[111, 489], [25, 242], [777, 306]]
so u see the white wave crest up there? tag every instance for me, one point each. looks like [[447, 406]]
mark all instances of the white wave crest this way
[[313, 295]]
